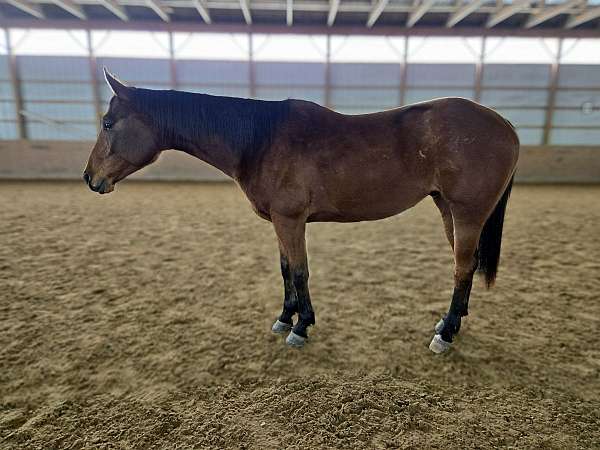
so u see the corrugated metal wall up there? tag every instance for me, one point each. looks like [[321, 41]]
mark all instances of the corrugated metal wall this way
[[59, 90]]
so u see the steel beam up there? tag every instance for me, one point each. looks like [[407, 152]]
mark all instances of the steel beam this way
[[33, 9], [507, 11], [328, 96], [173, 63], [115, 8], [376, 12], [245, 5], [548, 13], [71, 7], [198, 27], [463, 12], [15, 82], [159, 9], [404, 74], [289, 13], [202, 9], [94, 79], [419, 12], [251, 71], [586, 16], [333, 9], [478, 88], [552, 89]]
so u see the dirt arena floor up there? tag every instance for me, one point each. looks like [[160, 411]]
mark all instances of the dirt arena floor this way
[[141, 319]]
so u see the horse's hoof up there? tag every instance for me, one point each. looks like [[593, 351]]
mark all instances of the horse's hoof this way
[[293, 340], [280, 327], [439, 326], [438, 345]]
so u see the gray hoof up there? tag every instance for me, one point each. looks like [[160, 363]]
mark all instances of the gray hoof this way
[[293, 340], [439, 326], [438, 345], [280, 327]]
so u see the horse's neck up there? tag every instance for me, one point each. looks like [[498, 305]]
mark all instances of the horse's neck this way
[[214, 153], [221, 131]]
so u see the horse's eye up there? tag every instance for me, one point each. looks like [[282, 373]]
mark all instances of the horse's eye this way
[[107, 124]]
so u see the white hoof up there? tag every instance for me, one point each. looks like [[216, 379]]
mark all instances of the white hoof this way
[[280, 327], [293, 340], [438, 345], [439, 326]]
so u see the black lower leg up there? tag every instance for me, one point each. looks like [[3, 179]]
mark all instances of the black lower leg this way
[[305, 311], [290, 300], [458, 308]]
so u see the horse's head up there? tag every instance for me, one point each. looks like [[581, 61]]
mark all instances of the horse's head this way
[[127, 141]]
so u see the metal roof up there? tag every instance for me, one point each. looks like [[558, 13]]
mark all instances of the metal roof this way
[[514, 15]]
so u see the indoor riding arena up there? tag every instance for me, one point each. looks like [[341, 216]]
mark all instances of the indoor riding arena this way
[[142, 318]]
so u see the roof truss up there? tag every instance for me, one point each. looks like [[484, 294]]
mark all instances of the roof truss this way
[[337, 12]]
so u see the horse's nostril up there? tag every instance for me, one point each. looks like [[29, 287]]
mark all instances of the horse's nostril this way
[[86, 178]]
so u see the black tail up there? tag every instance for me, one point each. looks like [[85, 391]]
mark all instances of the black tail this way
[[491, 239]]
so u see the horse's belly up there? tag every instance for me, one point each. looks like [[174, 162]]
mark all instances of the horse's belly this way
[[369, 202]]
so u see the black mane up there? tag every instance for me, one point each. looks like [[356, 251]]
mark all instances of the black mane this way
[[182, 118]]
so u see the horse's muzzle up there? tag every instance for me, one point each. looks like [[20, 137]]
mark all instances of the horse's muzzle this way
[[101, 187]]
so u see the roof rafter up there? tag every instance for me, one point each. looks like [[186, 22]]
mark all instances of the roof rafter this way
[[202, 9], [159, 9], [586, 16], [419, 12], [507, 11], [376, 12], [463, 12], [30, 8], [333, 9], [548, 13], [245, 5], [72, 8], [116, 9]]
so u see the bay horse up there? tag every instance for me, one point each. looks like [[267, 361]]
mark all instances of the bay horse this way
[[299, 162]]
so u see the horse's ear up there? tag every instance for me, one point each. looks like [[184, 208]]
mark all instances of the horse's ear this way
[[116, 86]]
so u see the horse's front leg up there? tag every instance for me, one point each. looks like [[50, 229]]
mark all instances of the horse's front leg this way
[[290, 232], [290, 300]]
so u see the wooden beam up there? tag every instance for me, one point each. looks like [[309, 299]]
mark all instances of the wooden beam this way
[[116, 9], [333, 9], [507, 11], [586, 16], [72, 8], [289, 12], [30, 8], [548, 13], [202, 10], [158, 9], [419, 12], [463, 12], [376, 12], [245, 5]]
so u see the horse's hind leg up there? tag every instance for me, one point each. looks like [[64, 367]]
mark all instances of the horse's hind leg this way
[[466, 240], [444, 208]]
